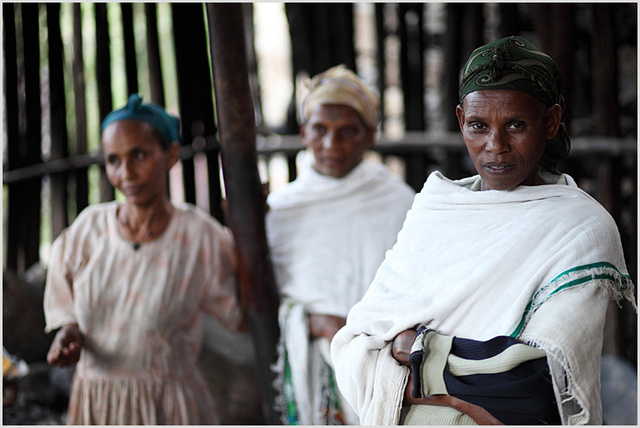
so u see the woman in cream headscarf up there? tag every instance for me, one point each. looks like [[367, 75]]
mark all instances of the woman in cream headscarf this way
[[490, 307], [328, 232]]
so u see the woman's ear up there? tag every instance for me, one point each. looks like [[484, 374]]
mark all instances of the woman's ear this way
[[303, 134], [553, 118], [460, 115], [173, 152]]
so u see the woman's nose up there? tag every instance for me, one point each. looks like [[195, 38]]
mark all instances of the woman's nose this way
[[328, 140], [127, 170], [497, 143]]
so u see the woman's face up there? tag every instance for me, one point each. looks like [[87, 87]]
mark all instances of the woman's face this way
[[505, 133], [135, 162], [338, 138]]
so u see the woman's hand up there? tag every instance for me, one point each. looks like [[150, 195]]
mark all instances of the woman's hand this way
[[66, 346], [477, 413], [325, 325], [402, 345]]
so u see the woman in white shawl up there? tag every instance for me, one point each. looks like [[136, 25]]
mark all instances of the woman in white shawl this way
[[490, 307], [328, 232]]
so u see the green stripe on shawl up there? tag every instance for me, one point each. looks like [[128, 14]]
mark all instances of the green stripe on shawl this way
[[620, 283]]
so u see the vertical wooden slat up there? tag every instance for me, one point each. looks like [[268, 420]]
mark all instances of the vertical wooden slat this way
[[563, 51], [341, 46], [381, 65], [254, 81], [246, 204], [195, 95], [81, 178], [541, 15], [292, 166], [58, 118], [510, 22], [13, 131], [321, 36], [605, 71], [412, 64], [31, 188], [103, 77], [452, 58], [472, 28], [131, 65], [153, 55]]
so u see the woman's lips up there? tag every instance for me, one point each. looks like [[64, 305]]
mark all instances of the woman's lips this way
[[131, 190], [498, 168]]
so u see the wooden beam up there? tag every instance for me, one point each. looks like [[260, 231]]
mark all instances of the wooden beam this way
[[236, 121]]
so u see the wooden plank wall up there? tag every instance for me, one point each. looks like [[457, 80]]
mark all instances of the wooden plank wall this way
[[49, 99]]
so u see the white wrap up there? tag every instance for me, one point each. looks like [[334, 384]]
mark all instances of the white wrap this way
[[328, 237], [467, 263]]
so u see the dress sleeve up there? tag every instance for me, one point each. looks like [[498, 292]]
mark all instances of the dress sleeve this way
[[222, 299], [58, 293]]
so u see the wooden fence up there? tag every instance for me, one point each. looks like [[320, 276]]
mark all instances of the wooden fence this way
[[63, 70]]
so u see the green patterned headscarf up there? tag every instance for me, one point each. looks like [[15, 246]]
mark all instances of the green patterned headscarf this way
[[515, 64]]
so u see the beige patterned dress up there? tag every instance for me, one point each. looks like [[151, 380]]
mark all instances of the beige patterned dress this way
[[140, 315]]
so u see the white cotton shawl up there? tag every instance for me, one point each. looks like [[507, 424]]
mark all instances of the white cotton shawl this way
[[328, 237], [468, 263]]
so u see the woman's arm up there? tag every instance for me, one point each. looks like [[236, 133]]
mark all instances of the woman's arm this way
[[325, 325]]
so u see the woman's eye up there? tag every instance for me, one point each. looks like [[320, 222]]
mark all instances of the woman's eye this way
[[349, 132], [113, 161], [318, 129]]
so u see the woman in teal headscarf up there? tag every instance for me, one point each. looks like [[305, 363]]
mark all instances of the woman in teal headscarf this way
[[127, 284], [490, 307]]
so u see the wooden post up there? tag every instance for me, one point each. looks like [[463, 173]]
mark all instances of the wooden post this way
[[236, 123]]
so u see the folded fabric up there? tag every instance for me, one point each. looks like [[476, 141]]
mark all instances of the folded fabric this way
[[504, 376]]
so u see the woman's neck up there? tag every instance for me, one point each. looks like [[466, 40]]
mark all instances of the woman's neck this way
[[144, 223]]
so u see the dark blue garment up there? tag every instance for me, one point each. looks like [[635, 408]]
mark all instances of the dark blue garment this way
[[520, 396]]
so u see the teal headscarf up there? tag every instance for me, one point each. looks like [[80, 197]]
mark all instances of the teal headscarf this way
[[167, 125], [514, 63]]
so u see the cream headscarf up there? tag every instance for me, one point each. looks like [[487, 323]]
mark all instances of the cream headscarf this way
[[339, 85]]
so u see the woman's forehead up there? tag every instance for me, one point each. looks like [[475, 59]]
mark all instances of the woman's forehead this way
[[128, 132], [499, 99], [335, 113]]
